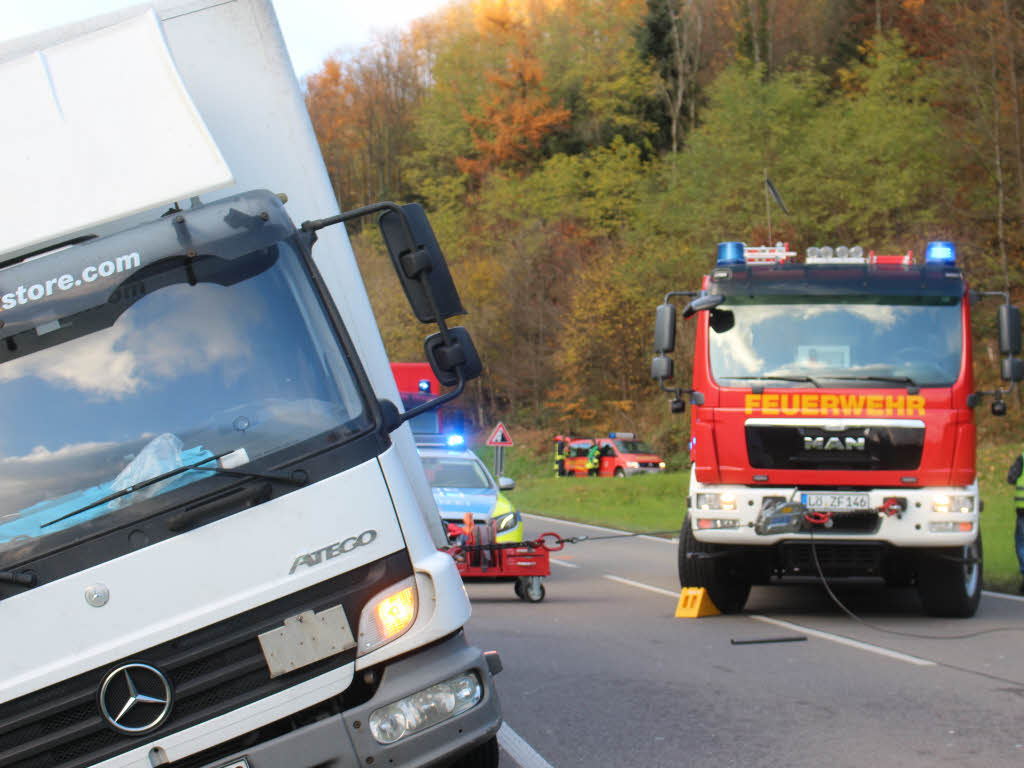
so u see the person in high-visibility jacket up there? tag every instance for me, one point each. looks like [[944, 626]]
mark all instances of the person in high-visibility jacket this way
[[1015, 477], [593, 460], [560, 446]]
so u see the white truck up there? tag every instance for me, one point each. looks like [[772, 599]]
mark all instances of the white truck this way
[[218, 548]]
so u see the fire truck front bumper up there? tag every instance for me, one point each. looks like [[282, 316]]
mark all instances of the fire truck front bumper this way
[[901, 517]]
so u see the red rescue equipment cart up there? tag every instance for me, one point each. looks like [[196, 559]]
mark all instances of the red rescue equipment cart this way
[[526, 562]]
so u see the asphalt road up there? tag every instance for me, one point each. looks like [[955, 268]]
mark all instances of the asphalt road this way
[[602, 674]]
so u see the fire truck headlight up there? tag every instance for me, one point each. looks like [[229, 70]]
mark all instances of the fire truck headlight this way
[[632, 464], [707, 501], [728, 501], [943, 504], [661, 465]]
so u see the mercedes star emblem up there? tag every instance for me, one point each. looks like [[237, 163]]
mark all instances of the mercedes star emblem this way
[[135, 698]]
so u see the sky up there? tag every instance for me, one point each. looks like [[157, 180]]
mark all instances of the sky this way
[[313, 29]]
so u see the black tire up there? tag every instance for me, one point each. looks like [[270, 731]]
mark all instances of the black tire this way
[[519, 589], [948, 588], [620, 472], [533, 591], [484, 756], [726, 581]]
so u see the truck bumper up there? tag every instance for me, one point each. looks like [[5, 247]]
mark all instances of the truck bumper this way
[[922, 523], [345, 740]]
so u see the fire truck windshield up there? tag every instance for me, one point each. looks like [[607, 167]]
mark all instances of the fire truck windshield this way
[[788, 341]]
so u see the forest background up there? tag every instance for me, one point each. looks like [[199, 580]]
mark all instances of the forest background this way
[[580, 158]]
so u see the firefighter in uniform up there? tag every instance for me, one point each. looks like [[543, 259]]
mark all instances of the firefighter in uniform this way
[[1015, 477], [559, 456], [593, 460]]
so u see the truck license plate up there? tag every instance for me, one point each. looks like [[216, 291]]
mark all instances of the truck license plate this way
[[835, 502], [240, 763]]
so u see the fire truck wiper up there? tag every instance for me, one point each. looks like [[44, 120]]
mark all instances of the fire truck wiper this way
[[808, 379], [893, 379]]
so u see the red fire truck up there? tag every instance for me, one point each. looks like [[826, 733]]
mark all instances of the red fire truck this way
[[832, 430], [417, 384]]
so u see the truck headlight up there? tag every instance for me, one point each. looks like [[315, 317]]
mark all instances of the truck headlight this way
[[943, 504], [633, 464], [387, 615], [425, 708], [726, 501]]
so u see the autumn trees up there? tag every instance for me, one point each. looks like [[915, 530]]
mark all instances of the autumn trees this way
[[579, 158]]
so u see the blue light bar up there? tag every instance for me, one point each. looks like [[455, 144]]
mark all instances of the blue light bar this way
[[455, 441], [731, 254], [424, 385], [940, 252]]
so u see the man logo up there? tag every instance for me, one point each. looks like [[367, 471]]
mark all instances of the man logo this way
[[835, 444]]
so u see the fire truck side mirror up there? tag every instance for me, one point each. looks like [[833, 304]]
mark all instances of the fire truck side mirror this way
[[1013, 369], [664, 328], [1009, 331], [662, 368]]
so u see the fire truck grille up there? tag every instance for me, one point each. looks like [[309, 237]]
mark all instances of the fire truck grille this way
[[836, 559], [211, 671], [811, 446]]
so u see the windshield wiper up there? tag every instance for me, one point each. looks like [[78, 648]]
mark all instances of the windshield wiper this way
[[775, 378], [892, 379], [20, 579], [299, 477]]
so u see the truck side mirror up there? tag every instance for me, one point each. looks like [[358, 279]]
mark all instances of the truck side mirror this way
[[662, 368], [420, 264], [444, 358], [1009, 331], [1012, 369], [707, 301], [665, 328]]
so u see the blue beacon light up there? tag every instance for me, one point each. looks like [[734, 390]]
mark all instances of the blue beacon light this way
[[731, 254], [424, 385], [455, 441], [940, 252]]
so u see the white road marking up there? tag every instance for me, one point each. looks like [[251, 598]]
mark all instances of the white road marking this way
[[795, 627], [640, 585], [845, 641], [1004, 596], [598, 527], [517, 748], [567, 564]]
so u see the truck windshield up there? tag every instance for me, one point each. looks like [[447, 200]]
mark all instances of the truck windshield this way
[[836, 341], [243, 362]]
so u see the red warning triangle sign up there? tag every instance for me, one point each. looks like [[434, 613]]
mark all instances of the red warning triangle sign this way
[[500, 437]]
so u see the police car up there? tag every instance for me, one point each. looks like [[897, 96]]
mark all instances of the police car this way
[[461, 484]]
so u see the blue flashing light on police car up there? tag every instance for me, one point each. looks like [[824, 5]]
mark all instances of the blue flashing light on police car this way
[[940, 252], [455, 441], [731, 254]]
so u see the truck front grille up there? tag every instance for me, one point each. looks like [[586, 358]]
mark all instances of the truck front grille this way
[[212, 671], [836, 559]]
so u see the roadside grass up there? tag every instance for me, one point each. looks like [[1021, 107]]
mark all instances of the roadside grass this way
[[656, 503]]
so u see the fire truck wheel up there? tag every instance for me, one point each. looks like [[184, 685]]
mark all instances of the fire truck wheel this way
[[728, 585], [947, 587], [620, 472], [484, 756]]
